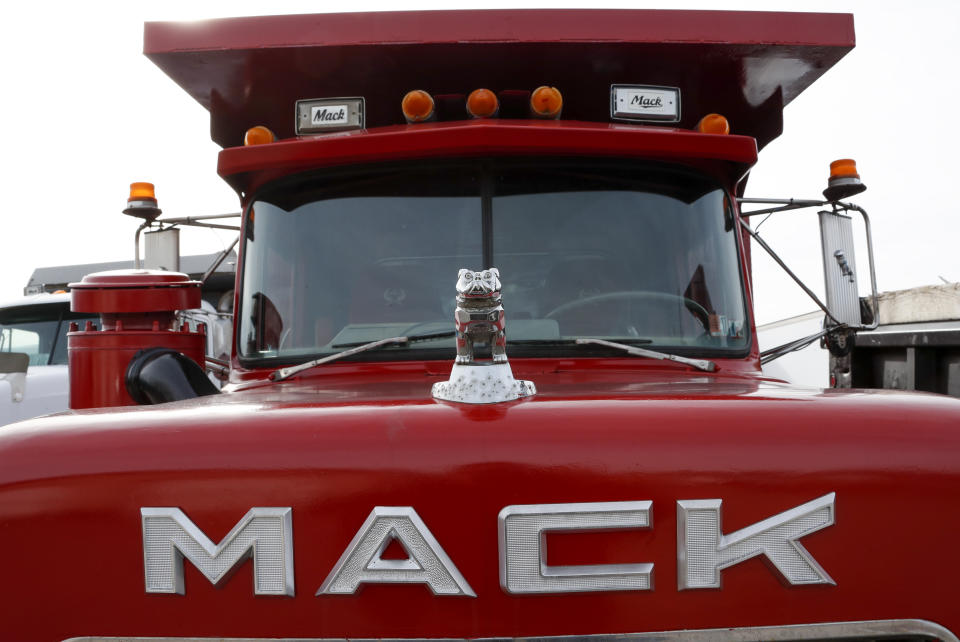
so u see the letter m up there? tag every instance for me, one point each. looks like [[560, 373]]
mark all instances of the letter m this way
[[266, 534]]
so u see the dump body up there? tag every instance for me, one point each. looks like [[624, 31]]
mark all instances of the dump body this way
[[630, 496], [916, 347]]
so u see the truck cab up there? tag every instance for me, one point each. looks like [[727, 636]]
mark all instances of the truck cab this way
[[373, 470]]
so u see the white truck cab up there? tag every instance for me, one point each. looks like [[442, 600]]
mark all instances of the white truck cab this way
[[35, 326]]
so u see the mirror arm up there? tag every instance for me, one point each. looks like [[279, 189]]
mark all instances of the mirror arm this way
[[873, 272], [783, 265], [787, 204], [797, 344]]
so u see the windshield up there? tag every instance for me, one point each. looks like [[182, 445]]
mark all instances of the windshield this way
[[39, 330], [612, 250]]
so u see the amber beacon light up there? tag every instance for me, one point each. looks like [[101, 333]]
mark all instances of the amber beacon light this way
[[418, 106], [142, 201], [482, 103], [546, 102], [844, 180]]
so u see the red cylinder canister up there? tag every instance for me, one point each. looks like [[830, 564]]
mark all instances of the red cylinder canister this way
[[137, 310]]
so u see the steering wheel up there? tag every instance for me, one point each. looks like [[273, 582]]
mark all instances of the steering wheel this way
[[692, 306]]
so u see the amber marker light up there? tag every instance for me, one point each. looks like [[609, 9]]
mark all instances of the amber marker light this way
[[482, 103], [258, 135], [713, 124], [546, 102], [417, 106]]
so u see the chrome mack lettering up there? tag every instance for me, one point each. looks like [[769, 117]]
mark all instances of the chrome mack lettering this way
[[427, 562], [266, 534], [523, 559], [703, 551]]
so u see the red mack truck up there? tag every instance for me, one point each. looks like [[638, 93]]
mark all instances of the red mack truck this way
[[494, 373]]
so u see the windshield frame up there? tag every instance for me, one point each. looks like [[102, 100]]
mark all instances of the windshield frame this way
[[528, 350]]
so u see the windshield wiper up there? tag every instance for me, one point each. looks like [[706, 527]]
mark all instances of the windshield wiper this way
[[442, 334], [699, 364], [566, 342], [356, 348], [283, 373]]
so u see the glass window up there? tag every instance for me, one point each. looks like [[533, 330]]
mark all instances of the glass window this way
[[348, 261], [39, 331], [607, 249], [619, 253]]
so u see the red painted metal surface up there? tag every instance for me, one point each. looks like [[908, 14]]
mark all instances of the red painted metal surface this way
[[744, 65], [727, 157], [334, 445], [137, 311], [129, 295]]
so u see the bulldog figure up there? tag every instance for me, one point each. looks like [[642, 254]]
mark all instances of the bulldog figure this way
[[479, 315]]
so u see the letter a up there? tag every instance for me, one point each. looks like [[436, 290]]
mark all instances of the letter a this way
[[427, 563]]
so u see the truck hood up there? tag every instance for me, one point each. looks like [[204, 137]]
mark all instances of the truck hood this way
[[72, 488]]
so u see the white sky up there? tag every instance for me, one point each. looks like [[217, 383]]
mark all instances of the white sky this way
[[86, 114]]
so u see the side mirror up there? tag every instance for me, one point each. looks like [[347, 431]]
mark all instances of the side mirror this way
[[839, 263], [845, 316], [13, 368]]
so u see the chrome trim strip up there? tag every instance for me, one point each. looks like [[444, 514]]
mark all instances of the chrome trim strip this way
[[789, 633]]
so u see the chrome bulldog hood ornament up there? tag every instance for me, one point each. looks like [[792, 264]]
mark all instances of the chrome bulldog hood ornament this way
[[480, 320]]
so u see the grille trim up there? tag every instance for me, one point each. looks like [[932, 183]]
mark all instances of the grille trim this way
[[860, 631]]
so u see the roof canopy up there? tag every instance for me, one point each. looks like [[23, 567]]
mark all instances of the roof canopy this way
[[52, 278], [745, 65]]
